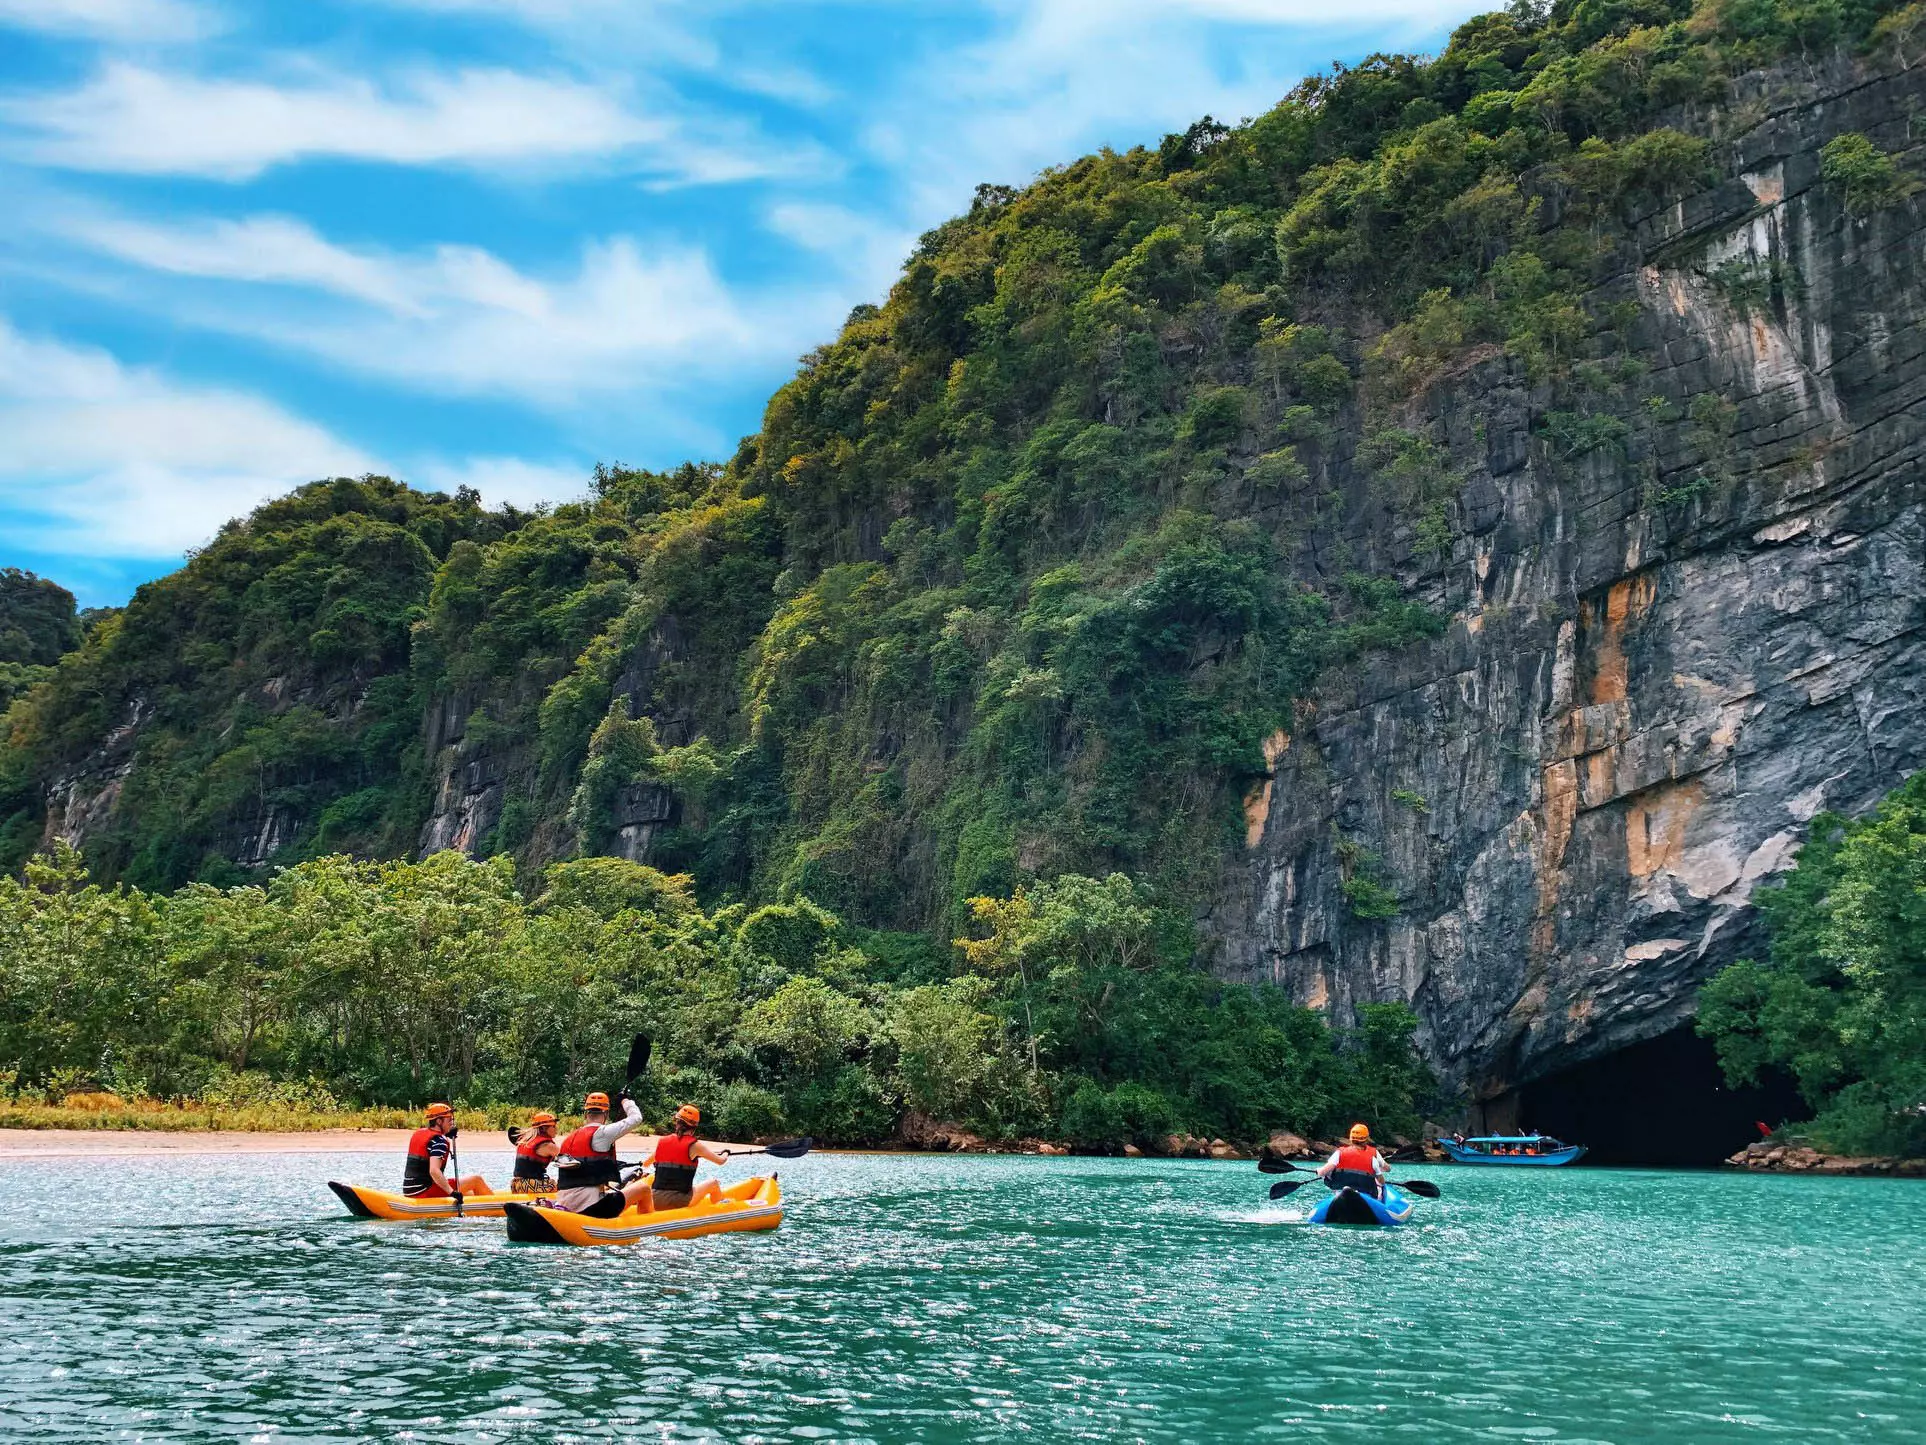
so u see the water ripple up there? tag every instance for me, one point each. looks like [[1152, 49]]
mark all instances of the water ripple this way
[[933, 1299]]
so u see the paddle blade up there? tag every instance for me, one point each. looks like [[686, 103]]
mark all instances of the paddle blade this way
[[639, 1048], [514, 1135], [1287, 1186], [1422, 1188], [1270, 1164], [790, 1148]]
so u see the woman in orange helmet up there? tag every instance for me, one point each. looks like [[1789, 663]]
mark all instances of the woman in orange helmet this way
[[535, 1150], [430, 1151], [677, 1155]]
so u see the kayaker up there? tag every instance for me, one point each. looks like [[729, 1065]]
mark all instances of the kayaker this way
[[585, 1164], [1357, 1165], [677, 1156], [534, 1152], [430, 1149]]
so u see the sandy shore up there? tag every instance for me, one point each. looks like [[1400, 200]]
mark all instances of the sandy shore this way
[[107, 1143], [57, 1143]]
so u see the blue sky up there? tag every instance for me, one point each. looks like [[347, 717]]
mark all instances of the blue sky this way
[[495, 241]]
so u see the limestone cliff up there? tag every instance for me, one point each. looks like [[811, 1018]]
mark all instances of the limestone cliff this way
[[1638, 706]]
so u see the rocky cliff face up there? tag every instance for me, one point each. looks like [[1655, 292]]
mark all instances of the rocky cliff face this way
[[1667, 654]]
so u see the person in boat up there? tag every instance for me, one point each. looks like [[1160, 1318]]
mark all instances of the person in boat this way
[[534, 1152], [431, 1151], [677, 1156], [585, 1164], [1356, 1165]]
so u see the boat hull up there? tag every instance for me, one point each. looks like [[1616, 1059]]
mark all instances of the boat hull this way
[[1549, 1160], [1347, 1206], [750, 1207], [366, 1203]]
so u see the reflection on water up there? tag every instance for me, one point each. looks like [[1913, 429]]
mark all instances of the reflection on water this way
[[915, 1298]]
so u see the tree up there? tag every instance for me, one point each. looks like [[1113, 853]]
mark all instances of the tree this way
[[1840, 1001]]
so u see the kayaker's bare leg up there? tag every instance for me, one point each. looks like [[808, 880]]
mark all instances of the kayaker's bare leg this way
[[471, 1184], [708, 1192], [639, 1195]]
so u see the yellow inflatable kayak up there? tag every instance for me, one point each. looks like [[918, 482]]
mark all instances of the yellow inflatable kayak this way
[[753, 1205], [365, 1203]]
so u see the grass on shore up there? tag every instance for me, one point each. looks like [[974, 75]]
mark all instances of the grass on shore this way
[[109, 1111]]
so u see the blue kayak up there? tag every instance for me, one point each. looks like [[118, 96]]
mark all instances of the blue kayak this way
[[1347, 1206]]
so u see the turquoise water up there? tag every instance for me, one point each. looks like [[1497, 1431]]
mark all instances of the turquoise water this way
[[919, 1298]]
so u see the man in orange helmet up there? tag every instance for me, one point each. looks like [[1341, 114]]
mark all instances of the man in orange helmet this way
[[1357, 1164], [585, 1164], [430, 1152], [677, 1155], [535, 1150]]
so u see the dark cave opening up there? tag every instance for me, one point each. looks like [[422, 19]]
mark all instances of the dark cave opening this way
[[1664, 1101]]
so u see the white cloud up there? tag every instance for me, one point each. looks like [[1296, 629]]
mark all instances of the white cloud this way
[[122, 20], [458, 320], [507, 480], [121, 461], [135, 119]]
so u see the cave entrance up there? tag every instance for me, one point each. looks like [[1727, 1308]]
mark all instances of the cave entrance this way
[[1664, 1101]]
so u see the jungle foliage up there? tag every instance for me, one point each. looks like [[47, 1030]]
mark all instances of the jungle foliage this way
[[1840, 1000], [1076, 1014]]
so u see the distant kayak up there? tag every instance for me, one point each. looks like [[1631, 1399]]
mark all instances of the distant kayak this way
[[1527, 1150], [1348, 1206], [366, 1203], [751, 1206]]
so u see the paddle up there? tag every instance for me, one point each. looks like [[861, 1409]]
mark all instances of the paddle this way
[[454, 1163], [1422, 1188], [781, 1149], [640, 1047], [1268, 1165]]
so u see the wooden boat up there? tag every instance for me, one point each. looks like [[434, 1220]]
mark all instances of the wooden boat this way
[[1539, 1151], [751, 1206]]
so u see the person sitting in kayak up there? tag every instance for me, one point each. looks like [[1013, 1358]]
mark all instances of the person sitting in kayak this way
[[534, 1152], [677, 1156], [430, 1150], [1357, 1165], [585, 1164]]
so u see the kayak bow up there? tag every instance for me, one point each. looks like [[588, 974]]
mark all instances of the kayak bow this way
[[751, 1206], [366, 1203]]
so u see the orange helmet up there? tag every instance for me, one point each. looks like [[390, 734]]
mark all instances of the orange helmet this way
[[597, 1100], [688, 1114], [543, 1118], [1360, 1134], [440, 1111]]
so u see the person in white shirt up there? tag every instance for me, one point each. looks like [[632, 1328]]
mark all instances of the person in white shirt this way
[[585, 1166]]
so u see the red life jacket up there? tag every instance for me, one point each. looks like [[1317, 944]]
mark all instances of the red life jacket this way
[[415, 1177], [1358, 1158], [675, 1163], [580, 1164], [529, 1164]]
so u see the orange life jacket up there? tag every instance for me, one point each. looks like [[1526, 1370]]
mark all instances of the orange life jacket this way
[[1358, 1158]]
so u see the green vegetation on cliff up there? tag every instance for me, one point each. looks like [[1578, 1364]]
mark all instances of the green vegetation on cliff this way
[[1022, 568], [1840, 1002]]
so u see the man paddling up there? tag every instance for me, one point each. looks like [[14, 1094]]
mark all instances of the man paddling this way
[[677, 1156], [430, 1150], [585, 1165], [534, 1152], [1357, 1165]]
